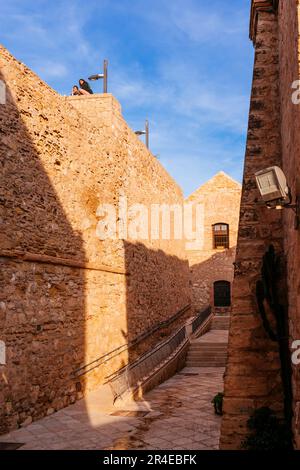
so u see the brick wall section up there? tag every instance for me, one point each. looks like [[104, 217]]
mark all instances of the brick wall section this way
[[288, 20], [220, 197], [286, 47], [67, 298], [253, 371]]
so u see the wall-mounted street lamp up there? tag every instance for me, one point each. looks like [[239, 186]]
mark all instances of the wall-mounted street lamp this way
[[145, 133], [103, 75], [275, 192]]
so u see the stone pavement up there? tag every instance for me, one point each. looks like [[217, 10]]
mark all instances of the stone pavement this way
[[178, 414]]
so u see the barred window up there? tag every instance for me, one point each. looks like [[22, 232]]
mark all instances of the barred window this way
[[220, 236]]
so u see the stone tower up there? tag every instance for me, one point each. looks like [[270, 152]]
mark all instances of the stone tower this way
[[254, 370]]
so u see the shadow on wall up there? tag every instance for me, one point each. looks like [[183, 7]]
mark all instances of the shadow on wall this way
[[42, 299], [155, 292], [157, 303], [218, 267], [154, 279]]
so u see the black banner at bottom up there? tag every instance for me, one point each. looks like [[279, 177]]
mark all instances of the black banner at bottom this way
[[137, 459]]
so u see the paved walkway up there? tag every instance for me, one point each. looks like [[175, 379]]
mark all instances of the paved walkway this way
[[176, 415]]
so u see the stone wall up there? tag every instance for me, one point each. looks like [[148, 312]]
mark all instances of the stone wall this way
[[220, 197], [67, 298], [253, 371], [289, 50]]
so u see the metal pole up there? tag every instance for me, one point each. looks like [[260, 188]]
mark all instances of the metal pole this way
[[105, 64], [147, 133]]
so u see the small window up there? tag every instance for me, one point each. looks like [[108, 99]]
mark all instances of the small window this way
[[220, 236], [222, 296]]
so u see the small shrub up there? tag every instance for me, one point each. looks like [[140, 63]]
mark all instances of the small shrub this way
[[267, 432], [218, 403]]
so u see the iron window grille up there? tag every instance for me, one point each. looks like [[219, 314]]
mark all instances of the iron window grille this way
[[220, 236]]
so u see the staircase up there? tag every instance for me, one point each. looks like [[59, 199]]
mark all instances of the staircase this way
[[220, 322], [210, 350]]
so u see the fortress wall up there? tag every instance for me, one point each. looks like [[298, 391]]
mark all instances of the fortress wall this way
[[253, 371], [67, 298], [289, 52], [252, 376]]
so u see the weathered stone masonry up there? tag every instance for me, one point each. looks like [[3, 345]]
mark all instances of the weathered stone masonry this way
[[220, 197], [68, 298], [253, 372]]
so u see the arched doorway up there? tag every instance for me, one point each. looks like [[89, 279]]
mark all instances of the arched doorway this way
[[222, 294]]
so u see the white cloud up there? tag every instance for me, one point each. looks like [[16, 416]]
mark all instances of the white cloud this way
[[51, 69], [204, 24], [206, 101], [175, 70]]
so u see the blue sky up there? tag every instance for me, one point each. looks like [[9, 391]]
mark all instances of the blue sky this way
[[186, 65]]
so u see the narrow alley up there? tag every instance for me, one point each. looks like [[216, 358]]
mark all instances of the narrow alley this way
[[178, 414]]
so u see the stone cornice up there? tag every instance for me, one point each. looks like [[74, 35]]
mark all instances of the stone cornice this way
[[257, 6]]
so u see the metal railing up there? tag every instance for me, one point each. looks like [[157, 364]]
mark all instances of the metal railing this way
[[197, 322], [129, 377], [101, 360]]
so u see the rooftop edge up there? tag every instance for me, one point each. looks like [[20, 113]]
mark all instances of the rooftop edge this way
[[256, 6]]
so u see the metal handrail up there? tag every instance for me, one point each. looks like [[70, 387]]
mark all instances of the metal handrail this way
[[132, 374], [126, 346], [203, 315]]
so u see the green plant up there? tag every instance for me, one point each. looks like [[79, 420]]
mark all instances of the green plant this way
[[268, 292], [267, 432], [218, 403]]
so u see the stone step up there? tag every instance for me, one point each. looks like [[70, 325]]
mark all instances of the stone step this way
[[206, 344], [220, 323], [206, 361], [224, 348], [208, 353], [200, 347], [206, 364], [220, 327], [210, 350], [221, 318], [208, 358]]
